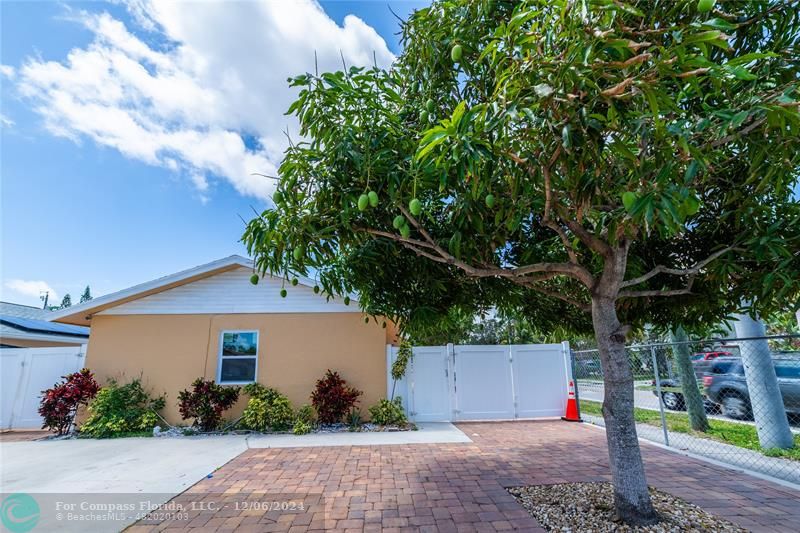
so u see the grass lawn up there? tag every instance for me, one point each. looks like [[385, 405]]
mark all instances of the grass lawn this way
[[742, 435]]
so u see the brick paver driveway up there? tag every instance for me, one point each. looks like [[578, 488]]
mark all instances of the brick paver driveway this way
[[459, 487]]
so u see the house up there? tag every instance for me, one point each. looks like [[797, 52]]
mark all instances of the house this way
[[211, 321], [23, 326]]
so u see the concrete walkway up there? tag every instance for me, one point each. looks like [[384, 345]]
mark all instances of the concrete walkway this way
[[734, 456], [427, 433], [150, 471]]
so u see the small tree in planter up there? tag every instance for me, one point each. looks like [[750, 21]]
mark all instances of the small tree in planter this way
[[206, 402], [333, 398], [60, 403]]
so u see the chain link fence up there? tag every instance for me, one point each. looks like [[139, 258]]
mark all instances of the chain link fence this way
[[736, 401]]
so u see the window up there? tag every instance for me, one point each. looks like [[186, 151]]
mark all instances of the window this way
[[788, 369], [238, 357]]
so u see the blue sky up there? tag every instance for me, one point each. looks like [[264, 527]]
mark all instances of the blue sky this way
[[130, 132]]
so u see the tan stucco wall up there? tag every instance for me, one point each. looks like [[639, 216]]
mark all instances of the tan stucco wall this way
[[170, 351]]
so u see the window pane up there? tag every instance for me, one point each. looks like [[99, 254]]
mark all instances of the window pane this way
[[239, 343], [238, 369], [788, 370]]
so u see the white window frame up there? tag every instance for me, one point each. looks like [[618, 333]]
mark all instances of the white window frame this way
[[220, 356]]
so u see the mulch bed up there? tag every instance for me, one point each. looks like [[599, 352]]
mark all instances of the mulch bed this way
[[573, 507]]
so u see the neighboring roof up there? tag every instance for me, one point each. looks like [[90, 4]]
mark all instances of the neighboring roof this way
[[43, 326], [23, 311], [81, 314]]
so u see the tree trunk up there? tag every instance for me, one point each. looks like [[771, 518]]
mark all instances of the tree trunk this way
[[692, 398], [631, 497]]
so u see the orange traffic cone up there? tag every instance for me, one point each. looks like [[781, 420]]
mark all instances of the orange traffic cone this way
[[572, 406]]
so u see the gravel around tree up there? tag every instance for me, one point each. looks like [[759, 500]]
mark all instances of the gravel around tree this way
[[590, 507]]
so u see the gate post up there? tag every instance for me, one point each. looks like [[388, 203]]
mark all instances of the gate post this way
[[450, 366], [569, 361], [660, 398]]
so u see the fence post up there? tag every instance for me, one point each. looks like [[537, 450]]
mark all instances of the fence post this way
[[574, 377], [658, 395]]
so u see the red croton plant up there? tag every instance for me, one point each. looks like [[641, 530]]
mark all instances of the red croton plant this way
[[333, 398], [60, 403]]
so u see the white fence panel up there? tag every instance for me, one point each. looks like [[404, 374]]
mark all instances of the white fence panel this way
[[26, 372], [497, 382], [483, 383], [425, 389], [541, 377], [430, 385]]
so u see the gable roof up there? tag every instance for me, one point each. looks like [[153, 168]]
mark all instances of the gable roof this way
[[81, 314], [23, 311], [31, 325]]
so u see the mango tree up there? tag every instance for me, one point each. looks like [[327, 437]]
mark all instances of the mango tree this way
[[594, 164]]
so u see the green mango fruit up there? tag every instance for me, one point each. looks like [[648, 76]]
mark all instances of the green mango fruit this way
[[295, 281], [430, 105], [415, 206], [363, 202], [277, 197], [254, 279], [373, 198], [366, 320], [490, 201], [704, 6], [283, 293], [628, 199], [405, 231], [299, 252], [456, 53], [423, 116], [346, 300], [316, 289], [399, 221]]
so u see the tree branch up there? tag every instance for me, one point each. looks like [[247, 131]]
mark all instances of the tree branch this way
[[436, 253], [593, 242], [586, 308], [661, 269], [666, 292]]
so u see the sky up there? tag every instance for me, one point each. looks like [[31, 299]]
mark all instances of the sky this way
[[131, 131]]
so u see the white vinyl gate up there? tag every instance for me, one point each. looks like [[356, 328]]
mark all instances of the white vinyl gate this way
[[449, 383], [25, 373]]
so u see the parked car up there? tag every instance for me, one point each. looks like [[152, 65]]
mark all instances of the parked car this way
[[586, 368], [701, 361], [673, 399], [726, 385]]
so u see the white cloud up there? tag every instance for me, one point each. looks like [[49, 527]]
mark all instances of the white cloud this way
[[31, 289], [5, 121], [185, 87], [7, 71]]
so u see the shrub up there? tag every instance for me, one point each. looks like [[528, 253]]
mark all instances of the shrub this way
[[301, 427], [388, 412], [354, 419], [304, 420], [206, 402], [60, 403], [267, 409], [122, 409], [333, 398], [306, 414]]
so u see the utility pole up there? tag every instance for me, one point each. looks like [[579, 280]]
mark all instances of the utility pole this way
[[45, 298], [766, 401]]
